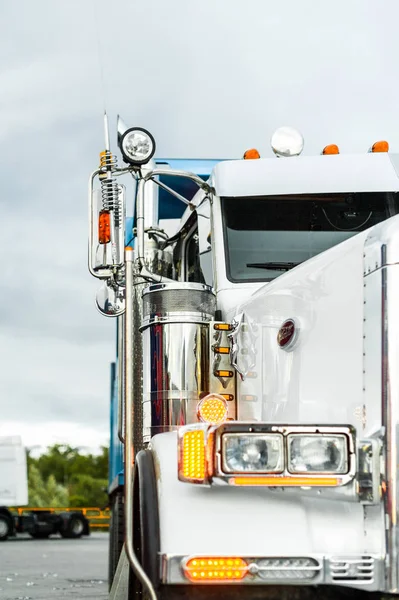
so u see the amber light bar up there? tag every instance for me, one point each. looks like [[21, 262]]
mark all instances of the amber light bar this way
[[286, 481]]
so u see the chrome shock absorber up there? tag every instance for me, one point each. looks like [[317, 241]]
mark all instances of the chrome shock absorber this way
[[112, 203]]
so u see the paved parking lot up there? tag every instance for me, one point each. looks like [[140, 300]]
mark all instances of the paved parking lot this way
[[54, 568]]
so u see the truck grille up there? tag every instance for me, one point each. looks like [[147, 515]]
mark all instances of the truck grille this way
[[352, 569]]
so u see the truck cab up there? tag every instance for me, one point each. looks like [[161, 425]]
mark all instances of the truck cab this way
[[255, 385]]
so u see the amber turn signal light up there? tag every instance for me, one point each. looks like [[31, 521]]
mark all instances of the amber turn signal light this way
[[215, 568], [104, 227]]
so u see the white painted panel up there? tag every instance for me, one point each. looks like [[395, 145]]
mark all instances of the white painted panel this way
[[236, 521], [13, 474], [321, 379]]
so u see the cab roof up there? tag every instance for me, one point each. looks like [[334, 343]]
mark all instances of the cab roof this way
[[340, 173]]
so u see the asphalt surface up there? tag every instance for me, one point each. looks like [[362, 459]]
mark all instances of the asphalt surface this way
[[54, 568]]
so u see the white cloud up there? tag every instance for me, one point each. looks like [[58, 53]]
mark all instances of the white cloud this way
[[209, 79]]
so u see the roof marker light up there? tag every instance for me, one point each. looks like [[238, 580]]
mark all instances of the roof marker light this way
[[381, 146], [331, 149], [251, 154]]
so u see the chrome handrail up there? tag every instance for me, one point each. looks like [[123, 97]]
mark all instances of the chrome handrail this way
[[129, 386]]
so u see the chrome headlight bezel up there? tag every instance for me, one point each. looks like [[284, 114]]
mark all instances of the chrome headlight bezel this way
[[256, 437], [337, 438], [284, 477]]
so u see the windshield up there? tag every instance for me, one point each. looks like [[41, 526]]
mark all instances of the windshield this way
[[266, 236]]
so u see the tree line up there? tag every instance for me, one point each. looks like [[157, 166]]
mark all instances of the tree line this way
[[63, 476]]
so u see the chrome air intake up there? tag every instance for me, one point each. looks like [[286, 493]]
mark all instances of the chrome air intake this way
[[177, 303], [175, 353]]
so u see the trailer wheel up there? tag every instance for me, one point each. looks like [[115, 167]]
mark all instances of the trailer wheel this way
[[116, 535], [5, 527], [146, 539], [74, 526]]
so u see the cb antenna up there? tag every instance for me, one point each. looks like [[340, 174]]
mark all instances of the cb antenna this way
[[106, 132]]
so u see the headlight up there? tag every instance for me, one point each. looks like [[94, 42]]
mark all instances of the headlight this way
[[137, 146], [317, 453], [252, 453]]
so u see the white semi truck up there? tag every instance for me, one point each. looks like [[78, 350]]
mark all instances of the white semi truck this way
[[257, 371], [39, 524]]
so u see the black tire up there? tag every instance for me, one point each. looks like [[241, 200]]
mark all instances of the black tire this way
[[116, 535], [5, 527], [74, 526], [146, 538]]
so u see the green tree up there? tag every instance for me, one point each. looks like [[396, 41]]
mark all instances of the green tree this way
[[83, 476], [45, 492], [88, 491]]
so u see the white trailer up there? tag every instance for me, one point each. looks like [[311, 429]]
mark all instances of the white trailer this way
[[258, 353], [38, 524]]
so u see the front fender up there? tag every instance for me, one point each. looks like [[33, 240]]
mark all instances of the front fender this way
[[226, 520]]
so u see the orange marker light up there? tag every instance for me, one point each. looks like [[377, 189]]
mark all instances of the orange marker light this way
[[228, 396], [222, 327], [381, 146], [251, 154], [104, 227], [286, 481], [221, 350], [224, 373], [215, 568], [331, 149]]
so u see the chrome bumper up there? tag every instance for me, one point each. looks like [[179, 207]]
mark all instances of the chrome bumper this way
[[362, 572]]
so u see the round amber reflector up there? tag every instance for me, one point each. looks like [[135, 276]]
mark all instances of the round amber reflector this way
[[251, 153], [381, 146], [212, 409], [331, 149]]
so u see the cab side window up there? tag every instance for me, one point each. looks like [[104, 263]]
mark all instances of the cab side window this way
[[192, 257], [192, 254], [205, 241]]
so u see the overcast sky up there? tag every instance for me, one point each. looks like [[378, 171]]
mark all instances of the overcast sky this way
[[208, 78]]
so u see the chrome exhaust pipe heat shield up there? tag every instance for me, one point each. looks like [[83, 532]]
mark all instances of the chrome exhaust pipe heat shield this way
[[175, 353]]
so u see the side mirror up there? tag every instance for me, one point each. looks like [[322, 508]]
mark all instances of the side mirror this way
[[110, 300]]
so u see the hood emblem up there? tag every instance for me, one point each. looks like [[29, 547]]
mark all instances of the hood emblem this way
[[287, 334]]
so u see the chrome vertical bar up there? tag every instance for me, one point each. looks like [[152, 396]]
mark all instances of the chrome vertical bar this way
[[390, 411], [129, 385], [121, 378]]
